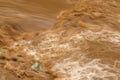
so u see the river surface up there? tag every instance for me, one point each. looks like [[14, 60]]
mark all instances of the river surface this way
[[83, 44], [31, 15]]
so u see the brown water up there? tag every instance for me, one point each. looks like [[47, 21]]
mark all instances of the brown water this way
[[83, 44], [31, 15]]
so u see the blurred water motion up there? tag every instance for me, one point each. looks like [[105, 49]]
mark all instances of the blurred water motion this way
[[31, 15]]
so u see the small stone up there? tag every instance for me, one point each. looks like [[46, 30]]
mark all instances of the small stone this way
[[37, 66]]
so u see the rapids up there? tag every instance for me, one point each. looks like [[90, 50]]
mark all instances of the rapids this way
[[82, 42]]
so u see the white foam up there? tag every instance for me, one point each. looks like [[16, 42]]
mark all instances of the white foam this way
[[88, 71], [51, 42]]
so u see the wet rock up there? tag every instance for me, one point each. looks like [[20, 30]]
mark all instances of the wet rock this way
[[37, 66]]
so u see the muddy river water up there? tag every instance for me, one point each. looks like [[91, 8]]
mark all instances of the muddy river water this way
[[31, 15], [82, 43]]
